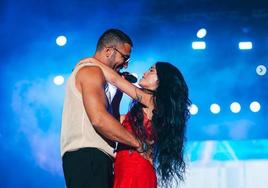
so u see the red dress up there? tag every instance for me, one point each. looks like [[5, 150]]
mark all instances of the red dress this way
[[131, 170]]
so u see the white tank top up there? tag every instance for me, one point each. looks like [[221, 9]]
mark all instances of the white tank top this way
[[77, 131]]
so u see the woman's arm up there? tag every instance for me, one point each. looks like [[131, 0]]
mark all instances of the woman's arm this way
[[131, 90]]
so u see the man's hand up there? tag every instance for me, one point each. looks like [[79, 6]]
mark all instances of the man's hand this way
[[148, 156], [146, 150]]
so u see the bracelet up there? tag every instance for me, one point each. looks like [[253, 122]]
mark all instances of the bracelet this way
[[144, 147]]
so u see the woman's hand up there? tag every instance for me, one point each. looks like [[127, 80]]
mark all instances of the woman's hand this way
[[109, 74]]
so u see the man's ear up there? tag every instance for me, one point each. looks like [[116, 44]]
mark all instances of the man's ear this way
[[108, 52]]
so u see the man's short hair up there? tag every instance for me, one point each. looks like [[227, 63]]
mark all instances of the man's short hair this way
[[113, 37]]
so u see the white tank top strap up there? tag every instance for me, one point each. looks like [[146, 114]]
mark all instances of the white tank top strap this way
[[75, 70]]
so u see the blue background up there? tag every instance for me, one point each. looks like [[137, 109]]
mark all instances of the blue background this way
[[161, 31]]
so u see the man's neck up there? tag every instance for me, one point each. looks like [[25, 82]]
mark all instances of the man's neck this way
[[100, 58]]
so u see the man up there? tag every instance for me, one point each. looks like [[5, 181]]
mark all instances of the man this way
[[87, 126]]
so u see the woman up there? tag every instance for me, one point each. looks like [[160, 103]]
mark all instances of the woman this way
[[158, 115]]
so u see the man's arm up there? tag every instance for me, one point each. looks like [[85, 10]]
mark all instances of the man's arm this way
[[90, 82]]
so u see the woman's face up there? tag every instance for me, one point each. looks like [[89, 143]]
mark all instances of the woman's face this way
[[149, 80]]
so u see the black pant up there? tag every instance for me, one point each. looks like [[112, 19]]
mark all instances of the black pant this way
[[87, 168]]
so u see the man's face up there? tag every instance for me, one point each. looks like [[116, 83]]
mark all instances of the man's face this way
[[120, 56]]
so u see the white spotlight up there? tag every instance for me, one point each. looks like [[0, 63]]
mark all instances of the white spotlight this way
[[193, 109], [199, 45], [235, 107], [201, 33], [215, 108], [255, 106], [61, 40], [245, 45], [58, 80], [261, 70]]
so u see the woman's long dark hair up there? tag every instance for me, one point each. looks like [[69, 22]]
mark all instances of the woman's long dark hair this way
[[169, 121]]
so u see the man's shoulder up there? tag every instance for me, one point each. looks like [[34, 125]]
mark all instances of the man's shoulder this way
[[86, 67], [94, 69], [90, 73]]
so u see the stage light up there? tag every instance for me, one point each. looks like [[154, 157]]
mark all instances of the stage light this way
[[245, 45], [58, 80], [261, 70], [201, 33], [255, 106], [215, 108], [199, 45], [193, 109], [235, 107], [61, 40]]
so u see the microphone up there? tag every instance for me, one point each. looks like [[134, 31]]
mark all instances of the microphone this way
[[129, 77]]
